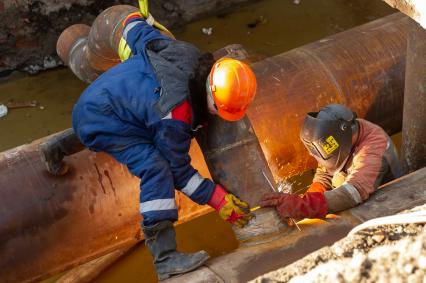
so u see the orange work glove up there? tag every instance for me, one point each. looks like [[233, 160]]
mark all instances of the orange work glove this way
[[230, 208], [311, 205], [316, 188]]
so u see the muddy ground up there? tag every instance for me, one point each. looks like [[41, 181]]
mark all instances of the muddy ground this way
[[394, 253], [29, 29]]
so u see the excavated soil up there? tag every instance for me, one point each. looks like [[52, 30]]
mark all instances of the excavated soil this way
[[392, 253]]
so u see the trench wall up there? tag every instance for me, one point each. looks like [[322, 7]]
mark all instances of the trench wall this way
[[29, 29]]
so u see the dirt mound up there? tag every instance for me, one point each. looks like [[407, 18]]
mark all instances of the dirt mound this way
[[393, 253]]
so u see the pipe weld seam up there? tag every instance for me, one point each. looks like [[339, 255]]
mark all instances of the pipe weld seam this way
[[215, 152]]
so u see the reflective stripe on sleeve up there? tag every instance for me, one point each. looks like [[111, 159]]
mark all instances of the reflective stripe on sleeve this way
[[353, 192], [158, 204], [168, 116], [150, 20], [193, 184], [129, 27]]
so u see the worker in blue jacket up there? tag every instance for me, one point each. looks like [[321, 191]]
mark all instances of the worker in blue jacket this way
[[144, 112]]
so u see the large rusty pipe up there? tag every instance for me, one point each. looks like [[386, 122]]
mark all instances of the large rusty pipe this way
[[362, 68], [49, 224]]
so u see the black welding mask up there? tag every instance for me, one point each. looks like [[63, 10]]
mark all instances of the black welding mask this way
[[328, 135]]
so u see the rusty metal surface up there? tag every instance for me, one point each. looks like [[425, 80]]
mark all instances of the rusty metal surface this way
[[247, 263], [413, 147], [362, 68], [48, 224], [71, 48], [236, 161], [234, 157], [89, 53], [104, 37], [68, 38]]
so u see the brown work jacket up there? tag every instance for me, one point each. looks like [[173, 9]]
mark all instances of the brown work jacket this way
[[373, 161]]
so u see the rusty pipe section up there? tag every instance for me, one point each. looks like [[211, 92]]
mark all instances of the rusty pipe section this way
[[362, 68], [49, 224], [91, 51]]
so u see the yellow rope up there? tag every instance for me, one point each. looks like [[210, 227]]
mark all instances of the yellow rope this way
[[143, 7], [124, 51]]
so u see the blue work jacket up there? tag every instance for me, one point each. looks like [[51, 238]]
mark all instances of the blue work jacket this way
[[127, 106]]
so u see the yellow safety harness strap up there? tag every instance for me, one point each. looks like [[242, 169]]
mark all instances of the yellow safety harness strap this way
[[143, 7], [124, 51]]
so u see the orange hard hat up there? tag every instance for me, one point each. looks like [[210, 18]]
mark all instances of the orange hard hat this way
[[232, 85]]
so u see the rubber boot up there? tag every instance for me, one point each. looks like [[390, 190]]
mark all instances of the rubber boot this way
[[161, 241], [53, 151]]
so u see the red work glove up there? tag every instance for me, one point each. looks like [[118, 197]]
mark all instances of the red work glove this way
[[230, 208], [316, 187], [311, 205]]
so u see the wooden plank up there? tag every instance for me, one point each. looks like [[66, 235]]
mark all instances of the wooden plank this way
[[90, 270]]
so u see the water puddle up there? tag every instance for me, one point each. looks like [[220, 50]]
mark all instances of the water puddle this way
[[55, 92]]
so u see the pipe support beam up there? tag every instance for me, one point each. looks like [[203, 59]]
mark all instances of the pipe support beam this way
[[413, 147]]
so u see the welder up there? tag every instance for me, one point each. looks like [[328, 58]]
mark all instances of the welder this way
[[144, 112], [354, 157]]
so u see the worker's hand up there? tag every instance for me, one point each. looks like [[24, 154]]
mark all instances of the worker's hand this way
[[316, 187], [230, 208], [235, 211], [311, 205]]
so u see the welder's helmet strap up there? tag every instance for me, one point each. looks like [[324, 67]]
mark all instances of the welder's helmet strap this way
[[329, 141]]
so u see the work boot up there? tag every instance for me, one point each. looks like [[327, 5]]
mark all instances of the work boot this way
[[161, 241], [53, 151]]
